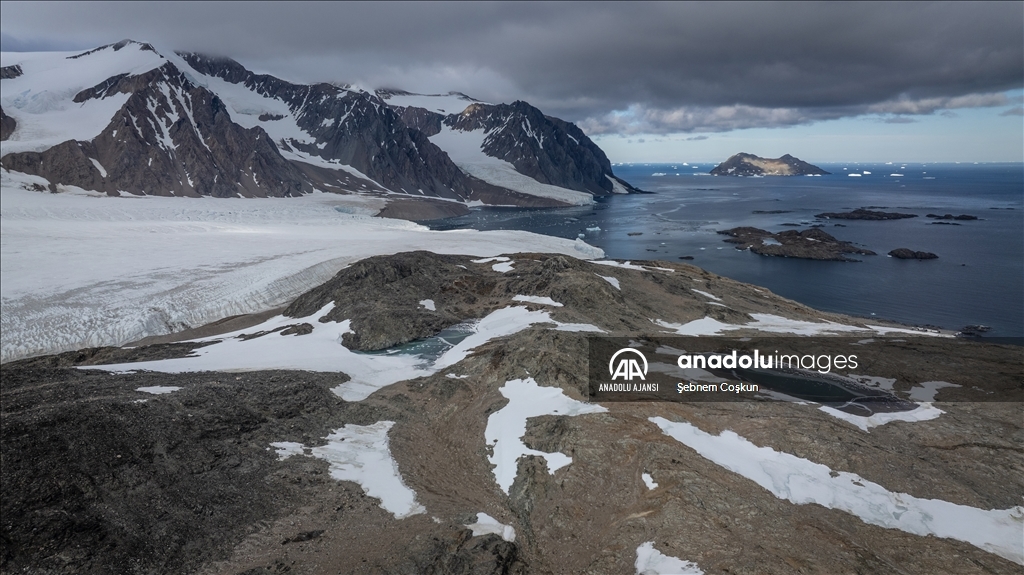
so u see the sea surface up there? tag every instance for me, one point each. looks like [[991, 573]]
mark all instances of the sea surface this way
[[978, 278]]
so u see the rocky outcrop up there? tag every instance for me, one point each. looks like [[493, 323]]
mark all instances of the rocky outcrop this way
[[811, 244], [7, 125], [908, 254], [964, 217], [864, 214], [743, 164], [9, 72]]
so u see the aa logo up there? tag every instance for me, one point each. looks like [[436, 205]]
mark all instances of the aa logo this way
[[627, 367]]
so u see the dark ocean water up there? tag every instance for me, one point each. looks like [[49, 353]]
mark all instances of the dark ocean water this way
[[978, 278]]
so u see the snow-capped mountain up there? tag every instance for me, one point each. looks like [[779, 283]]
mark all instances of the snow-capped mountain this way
[[126, 118]]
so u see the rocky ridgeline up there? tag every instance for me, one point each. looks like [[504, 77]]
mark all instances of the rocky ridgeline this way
[[175, 136], [545, 148]]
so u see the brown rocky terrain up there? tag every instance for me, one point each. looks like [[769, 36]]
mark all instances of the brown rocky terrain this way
[[96, 481], [750, 165], [811, 244]]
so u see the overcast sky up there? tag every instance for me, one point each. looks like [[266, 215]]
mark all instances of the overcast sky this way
[[649, 82]]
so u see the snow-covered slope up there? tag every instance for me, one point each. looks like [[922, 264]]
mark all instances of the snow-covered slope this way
[[80, 269], [41, 97], [465, 148], [128, 118]]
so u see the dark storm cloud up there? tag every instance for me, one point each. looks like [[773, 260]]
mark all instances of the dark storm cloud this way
[[620, 68]]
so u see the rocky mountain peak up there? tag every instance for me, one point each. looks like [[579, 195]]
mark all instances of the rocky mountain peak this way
[[176, 129]]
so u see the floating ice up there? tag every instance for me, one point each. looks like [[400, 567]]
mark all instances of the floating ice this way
[[926, 391]]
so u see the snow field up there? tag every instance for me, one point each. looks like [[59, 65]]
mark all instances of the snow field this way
[[41, 99], [802, 482], [83, 270]]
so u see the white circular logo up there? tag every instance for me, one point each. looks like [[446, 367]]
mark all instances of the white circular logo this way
[[627, 367]]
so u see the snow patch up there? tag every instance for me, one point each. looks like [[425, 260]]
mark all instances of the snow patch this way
[[429, 304], [537, 299], [922, 412], [158, 389], [486, 525], [650, 561], [649, 481], [361, 453], [611, 280], [707, 295], [507, 426], [802, 482], [99, 167]]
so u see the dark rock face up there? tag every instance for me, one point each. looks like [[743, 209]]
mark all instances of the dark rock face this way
[[743, 164], [364, 133], [9, 72], [170, 138], [141, 487], [7, 125], [908, 254], [812, 244], [550, 150], [174, 137], [863, 214], [951, 217]]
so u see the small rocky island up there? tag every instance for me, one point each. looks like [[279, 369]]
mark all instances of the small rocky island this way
[[909, 254], [962, 217], [750, 165], [863, 214], [812, 244]]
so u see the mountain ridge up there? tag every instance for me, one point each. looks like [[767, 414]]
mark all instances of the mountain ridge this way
[[198, 125]]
